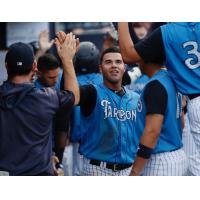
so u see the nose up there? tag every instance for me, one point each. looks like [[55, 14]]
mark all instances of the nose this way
[[114, 64]]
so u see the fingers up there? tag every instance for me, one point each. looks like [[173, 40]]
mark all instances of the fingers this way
[[61, 36], [77, 44], [72, 40], [57, 43], [51, 42]]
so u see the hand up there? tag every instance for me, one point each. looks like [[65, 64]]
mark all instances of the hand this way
[[44, 42], [60, 172], [66, 45], [54, 160], [133, 173]]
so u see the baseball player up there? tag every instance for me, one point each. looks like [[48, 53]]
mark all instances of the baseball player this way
[[158, 126], [49, 75], [108, 120], [31, 111], [176, 44], [86, 63]]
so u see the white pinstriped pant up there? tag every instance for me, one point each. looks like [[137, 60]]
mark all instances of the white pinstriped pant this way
[[167, 164], [93, 170], [194, 119], [190, 149]]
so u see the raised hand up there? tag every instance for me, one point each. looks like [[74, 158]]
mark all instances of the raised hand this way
[[44, 42], [66, 45]]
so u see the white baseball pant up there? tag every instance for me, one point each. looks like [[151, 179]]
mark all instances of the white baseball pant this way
[[172, 163], [190, 149], [194, 119]]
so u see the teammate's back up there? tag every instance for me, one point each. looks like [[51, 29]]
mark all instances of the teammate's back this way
[[181, 43]]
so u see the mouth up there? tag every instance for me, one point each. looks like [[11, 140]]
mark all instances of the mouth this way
[[114, 72]]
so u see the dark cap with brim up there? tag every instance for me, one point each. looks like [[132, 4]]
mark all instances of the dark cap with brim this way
[[19, 58]]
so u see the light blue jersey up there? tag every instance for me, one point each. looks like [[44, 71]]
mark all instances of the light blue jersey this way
[[92, 78], [171, 133], [109, 131], [182, 49]]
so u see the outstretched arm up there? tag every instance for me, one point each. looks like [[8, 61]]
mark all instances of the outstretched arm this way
[[44, 44], [128, 51], [66, 48]]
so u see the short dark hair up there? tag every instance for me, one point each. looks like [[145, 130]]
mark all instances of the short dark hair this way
[[114, 49], [47, 62]]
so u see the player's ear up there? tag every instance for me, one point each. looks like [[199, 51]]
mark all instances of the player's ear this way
[[34, 67]]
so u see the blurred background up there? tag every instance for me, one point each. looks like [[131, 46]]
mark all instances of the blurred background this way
[[102, 34]]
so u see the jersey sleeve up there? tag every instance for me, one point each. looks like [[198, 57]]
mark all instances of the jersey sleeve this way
[[66, 102], [88, 97], [155, 98], [151, 49]]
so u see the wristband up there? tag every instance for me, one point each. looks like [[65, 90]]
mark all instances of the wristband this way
[[144, 151]]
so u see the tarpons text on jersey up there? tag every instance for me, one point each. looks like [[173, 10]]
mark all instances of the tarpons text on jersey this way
[[119, 114]]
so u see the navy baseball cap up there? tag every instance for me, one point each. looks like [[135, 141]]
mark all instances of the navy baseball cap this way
[[19, 58]]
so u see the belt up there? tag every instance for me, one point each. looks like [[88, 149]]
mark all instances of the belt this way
[[114, 167], [192, 96]]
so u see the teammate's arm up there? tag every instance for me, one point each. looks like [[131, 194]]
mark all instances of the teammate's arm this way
[[66, 48], [155, 99], [128, 51], [88, 97], [44, 44], [148, 141], [150, 49]]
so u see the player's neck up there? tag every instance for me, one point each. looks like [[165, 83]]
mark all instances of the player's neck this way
[[20, 79], [152, 70], [113, 86]]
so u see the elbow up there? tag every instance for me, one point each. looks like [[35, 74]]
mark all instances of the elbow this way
[[126, 58], [129, 55]]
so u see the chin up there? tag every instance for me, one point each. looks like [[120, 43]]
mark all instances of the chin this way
[[114, 81]]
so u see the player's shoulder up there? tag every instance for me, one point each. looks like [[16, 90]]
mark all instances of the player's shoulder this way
[[132, 94]]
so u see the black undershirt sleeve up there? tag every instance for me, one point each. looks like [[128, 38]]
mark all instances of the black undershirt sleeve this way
[[151, 49], [126, 79], [88, 97], [155, 98]]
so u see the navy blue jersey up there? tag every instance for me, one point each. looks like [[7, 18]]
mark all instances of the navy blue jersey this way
[[92, 78], [171, 131], [108, 133], [26, 116], [182, 49]]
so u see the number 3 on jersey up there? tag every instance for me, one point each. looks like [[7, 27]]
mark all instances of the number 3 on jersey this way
[[194, 52]]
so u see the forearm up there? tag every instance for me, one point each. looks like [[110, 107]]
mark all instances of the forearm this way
[[128, 51], [70, 81], [149, 140]]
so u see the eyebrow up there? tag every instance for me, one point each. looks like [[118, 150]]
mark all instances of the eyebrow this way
[[113, 60]]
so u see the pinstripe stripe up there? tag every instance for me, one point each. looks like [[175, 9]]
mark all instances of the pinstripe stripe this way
[[190, 149], [167, 164]]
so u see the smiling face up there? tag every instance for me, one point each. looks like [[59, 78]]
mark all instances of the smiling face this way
[[112, 67]]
